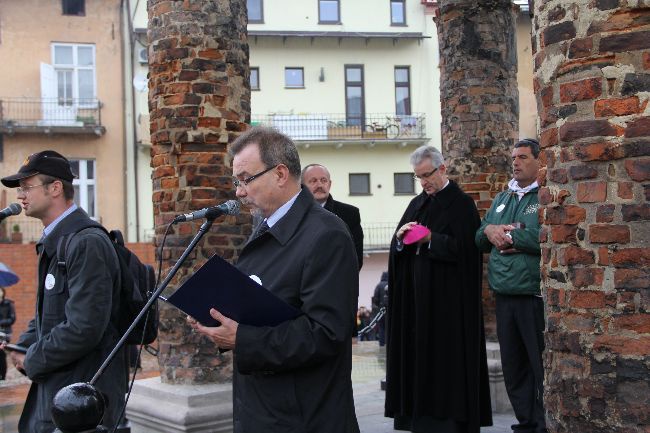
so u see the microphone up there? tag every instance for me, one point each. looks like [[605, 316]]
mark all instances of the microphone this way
[[12, 209], [231, 207]]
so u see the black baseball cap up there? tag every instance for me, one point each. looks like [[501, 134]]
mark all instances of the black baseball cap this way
[[46, 162]]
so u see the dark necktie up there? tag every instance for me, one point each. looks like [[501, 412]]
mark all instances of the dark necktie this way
[[263, 228]]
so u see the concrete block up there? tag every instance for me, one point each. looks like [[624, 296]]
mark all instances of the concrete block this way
[[156, 407]]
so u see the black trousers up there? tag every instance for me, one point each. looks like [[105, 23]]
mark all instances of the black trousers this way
[[3, 365], [520, 329]]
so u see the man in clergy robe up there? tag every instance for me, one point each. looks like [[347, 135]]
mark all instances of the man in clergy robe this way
[[437, 379]]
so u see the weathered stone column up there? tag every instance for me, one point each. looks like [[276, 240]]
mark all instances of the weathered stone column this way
[[592, 80], [199, 100], [479, 99]]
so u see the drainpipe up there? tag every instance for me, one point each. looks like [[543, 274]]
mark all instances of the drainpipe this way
[[130, 124]]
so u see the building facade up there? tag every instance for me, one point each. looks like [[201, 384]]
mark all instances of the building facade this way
[[61, 89], [354, 82]]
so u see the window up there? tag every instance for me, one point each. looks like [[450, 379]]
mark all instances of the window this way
[[74, 66], [397, 13], [255, 11], [328, 12], [354, 97], [294, 78], [404, 183], [84, 185], [359, 183], [402, 90], [74, 7], [255, 78]]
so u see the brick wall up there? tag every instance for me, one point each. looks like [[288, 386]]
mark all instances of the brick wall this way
[[480, 109], [592, 81], [22, 259], [199, 100]]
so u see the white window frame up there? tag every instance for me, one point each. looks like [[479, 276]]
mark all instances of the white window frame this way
[[257, 75], [75, 68], [411, 191], [393, 21], [302, 77], [261, 19], [83, 182], [360, 175]]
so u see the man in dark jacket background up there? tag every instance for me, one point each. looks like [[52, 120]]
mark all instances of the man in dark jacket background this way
[[317, 178], [7, 319], [73, 329], [379, 300], [510, 233], [296, 376]]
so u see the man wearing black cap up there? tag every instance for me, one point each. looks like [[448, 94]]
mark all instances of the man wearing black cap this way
[[76, 304]]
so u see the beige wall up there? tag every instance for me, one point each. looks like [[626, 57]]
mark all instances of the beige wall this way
[[527, 103], [381, 161], [378, 56], [27, 29], [355, 15]]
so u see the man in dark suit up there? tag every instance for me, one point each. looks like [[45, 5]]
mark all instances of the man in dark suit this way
[[317, 178], [296, 376]]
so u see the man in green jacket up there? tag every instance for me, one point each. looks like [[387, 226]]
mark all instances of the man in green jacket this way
[[510, 233]]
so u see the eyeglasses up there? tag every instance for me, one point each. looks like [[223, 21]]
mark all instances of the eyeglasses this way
[[249, 179], [26, 189], [425, 175]]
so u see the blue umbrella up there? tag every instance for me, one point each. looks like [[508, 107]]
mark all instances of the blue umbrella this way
[[7, 276]]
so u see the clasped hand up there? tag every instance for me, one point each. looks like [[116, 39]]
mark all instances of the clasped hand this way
[[408, 226], [499, 236], [224, 336]]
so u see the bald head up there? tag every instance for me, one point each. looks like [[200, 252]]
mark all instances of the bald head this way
[[317, 178]]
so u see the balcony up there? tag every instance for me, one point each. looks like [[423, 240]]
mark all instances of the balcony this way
[[51, 116], [339, 129]]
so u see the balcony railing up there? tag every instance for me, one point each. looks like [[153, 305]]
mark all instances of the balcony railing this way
[[377, 236], [55, 115], [339, 127]]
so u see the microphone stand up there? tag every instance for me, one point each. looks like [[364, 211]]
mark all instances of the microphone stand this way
[[70, 394]]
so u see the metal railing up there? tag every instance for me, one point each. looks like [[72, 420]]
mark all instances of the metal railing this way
[[339, 127], [31, 229], [377, 236], [45, 114]]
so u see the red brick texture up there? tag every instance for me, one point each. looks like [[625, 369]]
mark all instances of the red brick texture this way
[[592, 66], [479, 113], [199, 99]]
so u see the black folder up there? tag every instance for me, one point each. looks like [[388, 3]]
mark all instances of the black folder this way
[[218, 284]]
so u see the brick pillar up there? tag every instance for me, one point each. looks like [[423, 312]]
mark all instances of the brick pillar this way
[[592, 78], [199, 100], [480, 101]]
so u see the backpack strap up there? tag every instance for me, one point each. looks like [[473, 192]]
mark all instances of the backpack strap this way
[[64, 242]]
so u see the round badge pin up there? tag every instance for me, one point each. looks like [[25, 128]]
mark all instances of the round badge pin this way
[[49, 282]]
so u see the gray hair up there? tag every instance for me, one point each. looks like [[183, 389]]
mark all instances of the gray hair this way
[[275, 148], [424, 152]]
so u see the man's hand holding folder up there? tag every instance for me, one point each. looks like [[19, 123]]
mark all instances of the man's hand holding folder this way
[[218, 287], [223, 336]]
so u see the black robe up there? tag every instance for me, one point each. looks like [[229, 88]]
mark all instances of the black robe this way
[[436, 361]]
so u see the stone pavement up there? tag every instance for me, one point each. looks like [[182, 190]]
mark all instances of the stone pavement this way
[[368, 368]]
